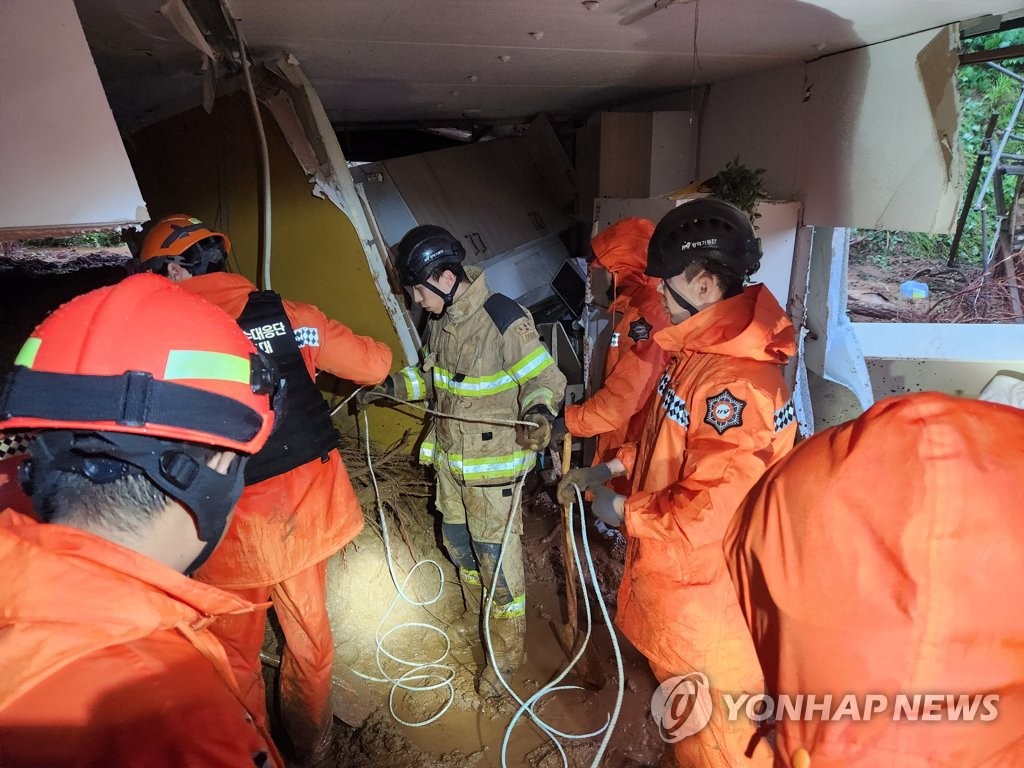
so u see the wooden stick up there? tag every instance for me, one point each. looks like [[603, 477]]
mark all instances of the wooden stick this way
[[589, 666], [567, 560]]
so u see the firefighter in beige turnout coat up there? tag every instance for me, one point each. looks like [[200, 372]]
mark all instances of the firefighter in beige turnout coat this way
[[484, 360]]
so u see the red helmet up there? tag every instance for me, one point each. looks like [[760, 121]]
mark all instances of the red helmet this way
[[142, 357], [183, 240]]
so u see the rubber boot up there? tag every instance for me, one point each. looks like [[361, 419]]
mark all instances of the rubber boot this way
[[507, 640], [467, 626], [507, 625], [460, 550]]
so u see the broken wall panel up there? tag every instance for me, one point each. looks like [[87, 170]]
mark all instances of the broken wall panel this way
[[757, 119], [205, 165], [63, 163], [891, 152], [865, 138]]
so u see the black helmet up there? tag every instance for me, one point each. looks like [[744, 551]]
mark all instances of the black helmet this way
[[705, 228], [425, 248]]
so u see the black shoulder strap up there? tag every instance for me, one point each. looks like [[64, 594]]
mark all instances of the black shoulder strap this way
[[303, 431], [503, 311]]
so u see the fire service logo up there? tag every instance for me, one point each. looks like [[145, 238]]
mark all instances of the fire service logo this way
[[681, 706]]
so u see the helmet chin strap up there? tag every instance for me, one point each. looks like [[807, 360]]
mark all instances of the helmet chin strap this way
[[679, 299], [448, 297]]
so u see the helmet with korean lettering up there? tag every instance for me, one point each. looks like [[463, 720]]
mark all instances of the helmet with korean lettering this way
[[706, 229], [424, 249]]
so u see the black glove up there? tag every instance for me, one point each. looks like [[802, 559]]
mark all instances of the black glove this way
[[537, 437], [603, 506], [366, 396], [558, 431], [585, 478]]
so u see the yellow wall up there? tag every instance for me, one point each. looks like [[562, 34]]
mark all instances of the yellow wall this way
[[206, 166]]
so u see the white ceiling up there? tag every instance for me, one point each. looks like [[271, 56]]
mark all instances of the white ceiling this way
[[442, 60]]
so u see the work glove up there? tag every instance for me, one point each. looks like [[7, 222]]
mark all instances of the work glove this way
[[536, 437], [605, 506], [366, 396], [585, 477], [558, 431]]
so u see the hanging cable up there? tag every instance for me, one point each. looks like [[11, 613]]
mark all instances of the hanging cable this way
[[263, 243]]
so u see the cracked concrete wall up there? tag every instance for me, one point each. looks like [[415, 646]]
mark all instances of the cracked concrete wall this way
[[865, 138]]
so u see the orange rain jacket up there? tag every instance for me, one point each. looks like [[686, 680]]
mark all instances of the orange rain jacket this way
[[290, 522], [883, 557], [633, 362], [721, 415], [108, 660]]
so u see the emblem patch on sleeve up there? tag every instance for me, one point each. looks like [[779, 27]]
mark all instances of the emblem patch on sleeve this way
[[724, 411], [640, 330]]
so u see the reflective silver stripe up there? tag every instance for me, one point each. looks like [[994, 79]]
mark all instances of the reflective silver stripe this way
[[473, 385], [494, 467], [417, 388]]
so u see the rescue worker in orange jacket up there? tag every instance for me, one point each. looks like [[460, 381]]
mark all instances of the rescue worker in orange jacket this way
[[633, 361], [882, 558], [720, 416], [299, 507], [134, 468]]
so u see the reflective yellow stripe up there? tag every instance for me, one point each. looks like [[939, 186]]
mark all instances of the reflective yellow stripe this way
[[28, 352], [491, 384], [469, 577], [473, 386], [416, 387], [426, 453], [532, 365], [198, 364], [491, 467], [509, 610], [541, 394]]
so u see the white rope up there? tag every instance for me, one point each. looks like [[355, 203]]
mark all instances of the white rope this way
[[417, 669], [344, 402], [553, 687], [470, 419]]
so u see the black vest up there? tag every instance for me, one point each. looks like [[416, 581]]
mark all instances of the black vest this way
[[304, 430]]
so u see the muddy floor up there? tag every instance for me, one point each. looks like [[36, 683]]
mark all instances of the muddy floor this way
[[471, 732]]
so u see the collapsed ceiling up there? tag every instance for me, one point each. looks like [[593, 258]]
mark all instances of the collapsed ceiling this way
[[447, 61]]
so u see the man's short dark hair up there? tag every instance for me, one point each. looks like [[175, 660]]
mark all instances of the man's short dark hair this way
[[455, 269], [729, 283], [126, 505]]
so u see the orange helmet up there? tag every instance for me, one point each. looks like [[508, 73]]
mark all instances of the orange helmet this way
[[183, 240], [621, 248], [142, 357], [126, 379]]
